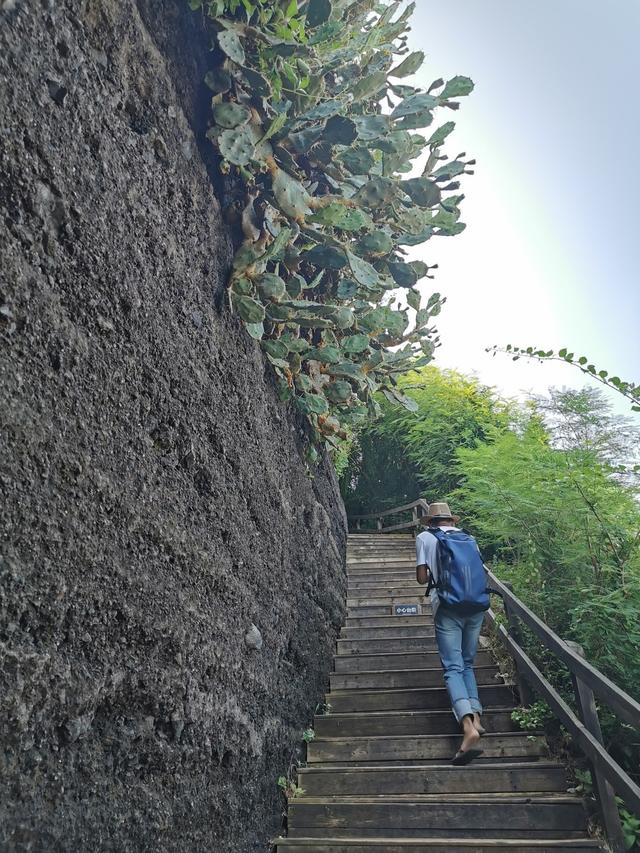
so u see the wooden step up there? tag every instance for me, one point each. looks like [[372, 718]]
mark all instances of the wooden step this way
[[413, 699], [397, 661], [398, 749], [386, 592], [385, 644], [356, 646], [361, 598], [389, 621], [436, 845], [396, 562], [404, 555], [382, 584], [390, 679], [409, 580], [366, 633], [473, 815], [536, 776], [358, 535], [375, 723], [377, 580], [405, 570], [406, 547], [387, 609]]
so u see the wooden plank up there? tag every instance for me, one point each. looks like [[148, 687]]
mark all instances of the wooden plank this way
[[405, 525], [408, 580], [344, 818], [377, 577], [386, 591], [413, 699], [445, 779], [422, 677], [604, 792], [388, 621], [382, 609], [381, 566], [401, 596], [457, 834], [392, 644], [396, 511], [436, 845], [350, 633], [397, 660], [400, 748], [367, 724]]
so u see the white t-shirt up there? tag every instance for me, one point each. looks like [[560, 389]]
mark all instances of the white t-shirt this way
[[427, 555]]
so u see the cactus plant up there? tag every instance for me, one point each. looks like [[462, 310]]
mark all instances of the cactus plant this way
[[236, 146], [228, 114], [321, 177]]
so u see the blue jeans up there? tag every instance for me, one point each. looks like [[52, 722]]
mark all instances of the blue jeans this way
[[457, 639]]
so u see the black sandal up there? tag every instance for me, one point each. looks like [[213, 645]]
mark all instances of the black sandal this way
[[465, 756]]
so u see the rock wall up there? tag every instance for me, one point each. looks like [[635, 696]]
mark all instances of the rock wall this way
[[155, 499]]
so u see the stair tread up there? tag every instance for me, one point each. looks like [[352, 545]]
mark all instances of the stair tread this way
[[416, 669], [487, 736], [378, 714], [449, 768], [417, 799], [506, 843], [392, 690]]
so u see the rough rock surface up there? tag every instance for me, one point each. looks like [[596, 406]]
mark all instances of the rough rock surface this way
[[155, 501]]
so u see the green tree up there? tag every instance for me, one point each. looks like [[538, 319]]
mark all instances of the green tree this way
[[566, 533], [406, 454], [583, 420]]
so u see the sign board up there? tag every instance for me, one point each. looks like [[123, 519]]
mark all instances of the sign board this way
[[406, 610]]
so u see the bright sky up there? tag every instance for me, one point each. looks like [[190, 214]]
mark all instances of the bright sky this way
[[551, 253]]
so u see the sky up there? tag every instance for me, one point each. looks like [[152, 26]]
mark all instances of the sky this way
[[551, 253]]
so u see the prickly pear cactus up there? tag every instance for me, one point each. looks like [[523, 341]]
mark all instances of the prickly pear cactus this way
[[330, 198]]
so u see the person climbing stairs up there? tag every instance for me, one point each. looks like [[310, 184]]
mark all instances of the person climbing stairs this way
[[379, 777]]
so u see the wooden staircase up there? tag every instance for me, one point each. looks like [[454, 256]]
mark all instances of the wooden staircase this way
[[378, 777]]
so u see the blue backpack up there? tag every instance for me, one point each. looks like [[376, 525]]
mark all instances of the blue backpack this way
[[462, 578]]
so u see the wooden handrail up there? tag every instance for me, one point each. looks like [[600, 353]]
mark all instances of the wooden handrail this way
[[355, 520], [396, 511], [621, 702], [588, 742], [609, 776]]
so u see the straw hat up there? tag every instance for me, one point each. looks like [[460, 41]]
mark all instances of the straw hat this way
[[439, 510]]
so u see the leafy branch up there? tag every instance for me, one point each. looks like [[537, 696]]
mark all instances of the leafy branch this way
[[630, 390]]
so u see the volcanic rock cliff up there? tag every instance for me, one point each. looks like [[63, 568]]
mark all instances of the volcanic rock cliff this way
[[156, 502]]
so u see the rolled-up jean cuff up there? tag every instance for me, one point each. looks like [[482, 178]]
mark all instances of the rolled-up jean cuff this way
[[461, 708]]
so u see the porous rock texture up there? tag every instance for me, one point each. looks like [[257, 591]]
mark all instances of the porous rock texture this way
[[155, 499]]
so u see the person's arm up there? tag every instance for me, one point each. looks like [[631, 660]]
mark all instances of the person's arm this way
[[422, 569], [422, 573]]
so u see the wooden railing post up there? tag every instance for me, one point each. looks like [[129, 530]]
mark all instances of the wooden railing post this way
[[527, 696], [604, 792]]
